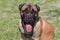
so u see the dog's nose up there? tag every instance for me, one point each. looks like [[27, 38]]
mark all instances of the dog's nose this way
[[29, 17]]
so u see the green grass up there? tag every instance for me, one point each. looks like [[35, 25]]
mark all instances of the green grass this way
[[9, 16]]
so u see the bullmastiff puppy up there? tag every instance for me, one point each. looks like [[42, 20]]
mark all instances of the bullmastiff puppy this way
[[33, 27]]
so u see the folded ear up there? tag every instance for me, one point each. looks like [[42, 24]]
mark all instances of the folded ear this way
[[38, 8], [20, 6]]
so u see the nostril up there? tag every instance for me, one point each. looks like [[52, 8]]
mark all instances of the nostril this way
[[28, 16], [28, 19]]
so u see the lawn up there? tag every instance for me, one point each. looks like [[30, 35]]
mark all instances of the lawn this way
[[9, 16]]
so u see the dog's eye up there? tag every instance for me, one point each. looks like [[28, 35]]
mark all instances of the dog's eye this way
[[34, 11], [25, 11]]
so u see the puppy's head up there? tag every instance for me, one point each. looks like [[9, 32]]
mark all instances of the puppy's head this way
[[29, 13]]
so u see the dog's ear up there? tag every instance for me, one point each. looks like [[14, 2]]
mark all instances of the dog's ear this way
[[20, 6], [38, 8]]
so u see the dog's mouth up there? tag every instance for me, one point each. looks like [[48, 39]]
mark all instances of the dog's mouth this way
[[28, 25], [28, 28]]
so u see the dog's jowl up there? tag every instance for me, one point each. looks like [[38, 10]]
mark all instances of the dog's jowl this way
[[33, 27]]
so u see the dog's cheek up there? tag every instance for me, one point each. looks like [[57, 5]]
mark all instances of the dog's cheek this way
[[36, 15], [22, 17], [20, 26], [21, 14]]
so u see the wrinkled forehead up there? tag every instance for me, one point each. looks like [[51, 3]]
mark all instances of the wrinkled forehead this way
[[29, 6]]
